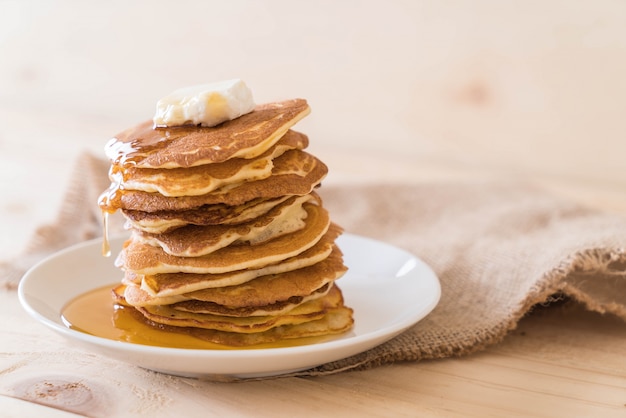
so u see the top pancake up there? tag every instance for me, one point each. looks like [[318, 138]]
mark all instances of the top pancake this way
[[187, 146], [202, 179]]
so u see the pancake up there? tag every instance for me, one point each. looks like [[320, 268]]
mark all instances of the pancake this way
[[281, 307], [276, 287], [161, 285], [199, 180], [264, 290], [135, 296], [335, 321], [146, 259], [187, 146], [295, 173], [194, 241], [277, 308], [219, 214], [308, 311]]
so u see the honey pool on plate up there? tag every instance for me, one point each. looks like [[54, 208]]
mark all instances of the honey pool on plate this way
[[97, 314]]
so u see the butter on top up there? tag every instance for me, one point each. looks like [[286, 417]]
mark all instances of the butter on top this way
[[204, 105]]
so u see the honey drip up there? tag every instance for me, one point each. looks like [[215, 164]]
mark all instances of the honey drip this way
[[106, 246], [96, 313], [109, 202], [130, 147]]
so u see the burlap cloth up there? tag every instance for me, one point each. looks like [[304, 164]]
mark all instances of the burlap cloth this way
[[498, 249]]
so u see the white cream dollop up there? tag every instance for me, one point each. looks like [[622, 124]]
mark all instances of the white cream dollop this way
[[204, 105]]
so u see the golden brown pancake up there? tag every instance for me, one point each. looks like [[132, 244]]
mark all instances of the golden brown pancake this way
[[199, 180], [274, 309], [295, 173], [187, 146], [335, 321], [133, 293], [308, 311], [219, 214], [146, 259], [194, 241], [261, 291], [162, 285], [269, 289]]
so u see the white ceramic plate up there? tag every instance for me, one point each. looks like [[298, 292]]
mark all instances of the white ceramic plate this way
[[388, 288]]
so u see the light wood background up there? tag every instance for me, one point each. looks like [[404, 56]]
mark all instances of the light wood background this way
[[400, 90], [530, 88]]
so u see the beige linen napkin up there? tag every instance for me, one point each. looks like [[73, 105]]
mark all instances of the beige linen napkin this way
[[498, 249]]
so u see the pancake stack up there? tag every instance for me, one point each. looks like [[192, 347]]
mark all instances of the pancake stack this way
[[229, 240]]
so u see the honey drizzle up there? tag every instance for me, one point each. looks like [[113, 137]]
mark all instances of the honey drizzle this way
[[126, 150], [96, 313], [109, 202], [130, 147], [106, 246]]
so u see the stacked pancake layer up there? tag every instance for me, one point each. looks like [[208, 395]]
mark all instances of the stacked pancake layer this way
[[229, 240]]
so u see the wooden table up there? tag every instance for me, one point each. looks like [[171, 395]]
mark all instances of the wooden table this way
[[445, 91]]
